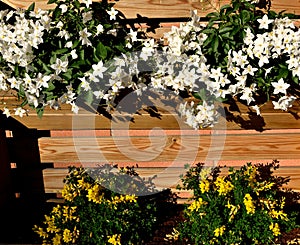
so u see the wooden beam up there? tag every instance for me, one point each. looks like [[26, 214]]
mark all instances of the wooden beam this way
[[171, 148], [165, 8]]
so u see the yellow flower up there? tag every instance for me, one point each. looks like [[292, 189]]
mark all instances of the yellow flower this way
[[67, 236], [204, 186], [51, 226], [223, 187], [40, 231], [83, 185], [233, 210], [173, 236], [130, 198], [251, 172], [264, 186], [219, 231], [56, 240], [95, 195], [115, 239], [205, 172], [249, 204], [195, 205], [275, 228], [278, 214], [69, 192]]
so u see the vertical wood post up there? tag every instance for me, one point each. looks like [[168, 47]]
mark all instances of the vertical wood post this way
[[5, 173]]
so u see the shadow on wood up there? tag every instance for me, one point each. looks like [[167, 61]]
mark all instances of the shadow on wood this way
[[22, 195]]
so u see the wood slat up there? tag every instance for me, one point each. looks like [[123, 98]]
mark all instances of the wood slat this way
[[171, 148], [53, 178], [166, 8], [52, 119]]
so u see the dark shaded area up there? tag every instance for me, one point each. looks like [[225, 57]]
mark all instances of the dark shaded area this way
[[26, 201]]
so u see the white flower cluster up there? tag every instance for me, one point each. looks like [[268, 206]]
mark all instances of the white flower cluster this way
[[167, 69], [180, 66], [258, 56], [23, 33]]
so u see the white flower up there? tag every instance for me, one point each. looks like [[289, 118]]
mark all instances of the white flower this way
[[83, 37], [112, 14], [280, 86], [74, 108], [247, 95], [99, 68], [20, 111], [64, 8], [87, 3], [69, 44], [84, 84], [87, 16], [74, 54], [257, 109], [42, 80], [60, 66], [6, 112], [100, 29], [264, 22], [284, 102]]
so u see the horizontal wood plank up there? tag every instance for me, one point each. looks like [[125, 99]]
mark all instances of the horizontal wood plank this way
[[53, 178], [177, 148], [166, 8], [238, 117]]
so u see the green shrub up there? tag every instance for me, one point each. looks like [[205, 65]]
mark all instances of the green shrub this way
[[104, 210], [247, 206]]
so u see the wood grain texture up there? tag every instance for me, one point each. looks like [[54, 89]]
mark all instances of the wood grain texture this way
[[180, 149], [166, 8], [166, 118], [53, 178]]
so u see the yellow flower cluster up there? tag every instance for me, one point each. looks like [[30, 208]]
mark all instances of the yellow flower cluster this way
[[262, 186], [114, 239], [251, 173], [275, 209], [196, 205], [204, 186], [249, 204], [219, 231], [173, 236], [65, 214], [123, 199], [275, 228], [95, 195], [223, 186], [233, 210]]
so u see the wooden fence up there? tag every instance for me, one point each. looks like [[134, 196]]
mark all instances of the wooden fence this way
[[35, 153]]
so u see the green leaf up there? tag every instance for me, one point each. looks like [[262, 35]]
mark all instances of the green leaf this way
[[225, 6], [21, 92], [283, 73], [51, 1], [78, 64], [89, 97], [225, 29], [215, 44], [31, 7], [213, 14], [209, 31], [295, 80], [67, 75], [56, 13], [40, 111], [61, 51], [101, 50]]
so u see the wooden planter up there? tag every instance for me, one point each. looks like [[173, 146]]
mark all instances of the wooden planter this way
[[40, 150]]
